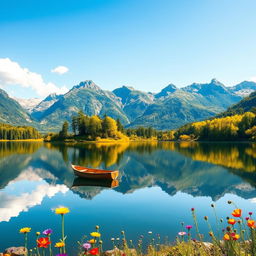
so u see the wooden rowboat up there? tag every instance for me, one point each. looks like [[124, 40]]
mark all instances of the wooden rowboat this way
[[90, 173]]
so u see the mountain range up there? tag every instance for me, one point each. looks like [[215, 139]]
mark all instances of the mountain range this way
[[167, 109]]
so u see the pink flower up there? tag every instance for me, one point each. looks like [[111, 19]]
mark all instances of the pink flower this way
[[250, 213], [87, 246], [188, 227], [182, 233]]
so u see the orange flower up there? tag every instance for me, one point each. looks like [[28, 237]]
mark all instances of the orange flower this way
[[237, 213], [43, 242], [250, 223], [232, 221], [226, 237], [235, 236]]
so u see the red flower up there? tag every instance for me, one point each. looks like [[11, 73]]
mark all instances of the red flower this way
[[94, 251], [43, 242]]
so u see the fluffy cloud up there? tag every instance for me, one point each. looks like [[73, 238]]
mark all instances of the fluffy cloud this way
[[11, 73], [12, 205], [60, 70]]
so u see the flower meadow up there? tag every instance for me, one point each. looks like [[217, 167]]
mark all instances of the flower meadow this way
[[234, 236]]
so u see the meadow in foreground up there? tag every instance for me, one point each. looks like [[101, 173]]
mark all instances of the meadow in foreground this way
[[235, 236]]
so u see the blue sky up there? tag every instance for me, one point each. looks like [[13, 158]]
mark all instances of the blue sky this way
[[146, 44]]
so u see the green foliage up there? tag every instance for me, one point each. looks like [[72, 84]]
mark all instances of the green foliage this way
[[234, 127], [9, 132], [89, 128]]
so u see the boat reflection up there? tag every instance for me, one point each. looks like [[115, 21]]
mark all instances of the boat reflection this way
[[106, 183]]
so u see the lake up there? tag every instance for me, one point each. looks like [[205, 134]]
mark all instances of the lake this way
[[158, 185]]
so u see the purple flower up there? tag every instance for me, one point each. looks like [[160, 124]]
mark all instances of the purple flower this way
[[62, 254], [250, 213], [47, 232], [87, 246], [188, 227]]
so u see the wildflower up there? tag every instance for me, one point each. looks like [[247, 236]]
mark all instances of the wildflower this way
[[61, 210], [237, 213], [205, 217], [232, 221], [188, 227], [43, 242], [87, 246], [100, 242], [38, 233], [118, 239], [47, 232], [25, 230], [59, 244], [95, 234], [229, 202], [150, 232], [112, 239], [62, 254], [192, 209], [250, 223], [226, 237], [247, 218], [250, 213], [92, 241], [97, 227], [122, 232], [182, 233], [94, 251], [235, 236]]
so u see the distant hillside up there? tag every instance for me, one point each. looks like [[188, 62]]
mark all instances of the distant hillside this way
[[248, 104], [11, 111]]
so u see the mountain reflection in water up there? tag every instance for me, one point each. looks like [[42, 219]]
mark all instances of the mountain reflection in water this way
[[31, 172]]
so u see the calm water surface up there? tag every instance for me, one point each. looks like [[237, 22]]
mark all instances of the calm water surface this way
[[158, 185]]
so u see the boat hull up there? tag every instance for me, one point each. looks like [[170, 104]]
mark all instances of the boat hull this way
[[89, 173]]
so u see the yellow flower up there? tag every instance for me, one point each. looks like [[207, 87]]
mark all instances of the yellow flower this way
[[226, 237], [25, 230], [95, 234], [92, 241], [59, 244], [61, 210]]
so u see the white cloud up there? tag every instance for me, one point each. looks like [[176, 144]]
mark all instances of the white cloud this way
[[12, 205], [60, 70], [11, 73]]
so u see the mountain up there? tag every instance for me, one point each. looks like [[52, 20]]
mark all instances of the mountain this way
[[169, 109], [166, 91], [86, 96], [175, 107], [213, 94], [28, 104], [245, 105], [244, 89], [134, 102], [11, 111], [173, 111], [39, 109]]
